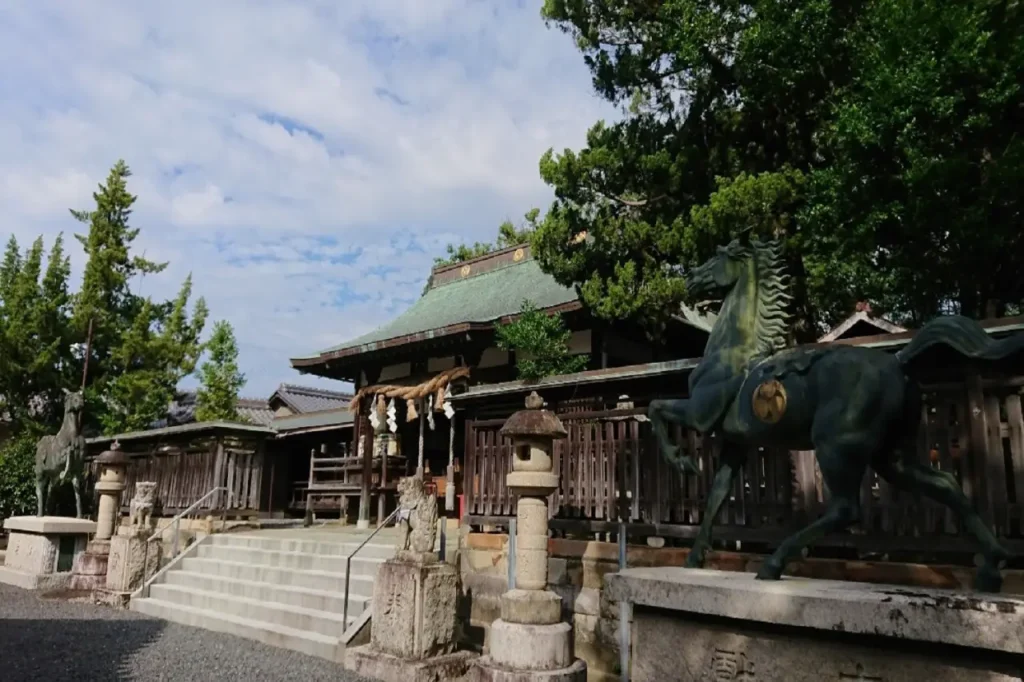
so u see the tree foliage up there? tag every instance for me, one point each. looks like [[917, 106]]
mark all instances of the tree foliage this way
[[541, 344], [17, 478], [880, 139], [508, 235], [140, 348], [220, 379]]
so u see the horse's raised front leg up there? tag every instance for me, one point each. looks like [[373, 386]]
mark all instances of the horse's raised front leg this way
[[733, 458], [661, 413]]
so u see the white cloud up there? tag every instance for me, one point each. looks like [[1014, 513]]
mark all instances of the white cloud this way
[[304, 160]]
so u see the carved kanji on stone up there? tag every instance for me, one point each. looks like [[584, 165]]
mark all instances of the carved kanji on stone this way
[[729, 666]]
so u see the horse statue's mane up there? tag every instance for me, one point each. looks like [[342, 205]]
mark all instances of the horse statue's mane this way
[[772, 320]]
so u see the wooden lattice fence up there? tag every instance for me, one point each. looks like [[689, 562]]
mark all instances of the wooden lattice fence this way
[[609, 471]]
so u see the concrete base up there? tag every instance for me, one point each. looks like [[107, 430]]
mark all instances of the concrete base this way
[[119, 600], [486, 670], [35, 581], [41, 550], [518, 646], [691, 625], [535, 607], [376, 665]]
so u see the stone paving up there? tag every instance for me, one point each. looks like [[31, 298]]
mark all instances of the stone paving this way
[[55, 640]]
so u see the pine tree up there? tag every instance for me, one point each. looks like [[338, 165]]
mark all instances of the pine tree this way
[[34, 336], [140, 349], [217, 397], [541, 344]]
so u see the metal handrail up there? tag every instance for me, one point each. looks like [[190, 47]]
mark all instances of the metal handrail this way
[[348, 562], [176, 522]]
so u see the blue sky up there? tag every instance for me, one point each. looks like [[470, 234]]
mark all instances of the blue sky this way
[[304, 159]]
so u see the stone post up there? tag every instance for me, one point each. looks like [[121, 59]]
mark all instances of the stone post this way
[[415, 622], [133, 558], [530, 641]]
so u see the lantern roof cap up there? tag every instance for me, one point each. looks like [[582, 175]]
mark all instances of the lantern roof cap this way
[[115, 455], [534, 421]]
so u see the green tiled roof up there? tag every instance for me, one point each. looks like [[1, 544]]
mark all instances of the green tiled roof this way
[[482, 298]]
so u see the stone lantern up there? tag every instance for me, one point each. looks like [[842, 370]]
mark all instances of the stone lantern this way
[[530, 637], [113, 470], [90, 567]]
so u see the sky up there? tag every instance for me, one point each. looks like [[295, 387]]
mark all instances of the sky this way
[[305, 160]]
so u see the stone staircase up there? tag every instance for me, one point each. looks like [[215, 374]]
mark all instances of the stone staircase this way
[[282, 589]]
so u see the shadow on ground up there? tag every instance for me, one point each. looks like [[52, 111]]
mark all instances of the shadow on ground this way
[[57, 650]]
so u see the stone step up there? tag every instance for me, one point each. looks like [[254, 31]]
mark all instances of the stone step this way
[[311, 643], [331, 602], [300, 561], [326, 581], [295, 617], [371, 550]]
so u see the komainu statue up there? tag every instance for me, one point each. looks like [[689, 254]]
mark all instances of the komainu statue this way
[[140, 509], [856, 407], [61, 457], [417, 517]]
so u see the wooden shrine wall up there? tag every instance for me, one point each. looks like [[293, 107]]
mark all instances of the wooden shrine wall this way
[[609, 470]]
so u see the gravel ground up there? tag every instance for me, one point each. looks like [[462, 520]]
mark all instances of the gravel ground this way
[[53, 641]]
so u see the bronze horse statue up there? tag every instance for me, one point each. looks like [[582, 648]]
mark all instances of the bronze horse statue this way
[[855, 407], [62, 456]]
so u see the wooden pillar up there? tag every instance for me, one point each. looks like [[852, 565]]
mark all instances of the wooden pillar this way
[[365, 441], [419, 452], [218, 474], [973, 480], [363, 438], [260, 462]]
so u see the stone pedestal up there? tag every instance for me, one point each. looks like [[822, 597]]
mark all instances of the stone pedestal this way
[[130, 562], [414, 624], [90, 567], [41, 550], [697, 625]]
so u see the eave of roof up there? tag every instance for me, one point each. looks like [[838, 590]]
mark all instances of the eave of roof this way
[[654, 369], [325, 419], [306, 399], [861, 316], [593, 376], [192, 428]]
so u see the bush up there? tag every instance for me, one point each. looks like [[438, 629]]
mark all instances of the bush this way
[[17, 477], [541, 344]]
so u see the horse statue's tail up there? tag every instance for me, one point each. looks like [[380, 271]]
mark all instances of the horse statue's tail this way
[[963, 335]]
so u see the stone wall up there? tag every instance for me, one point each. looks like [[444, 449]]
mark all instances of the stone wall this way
[[576, 571]]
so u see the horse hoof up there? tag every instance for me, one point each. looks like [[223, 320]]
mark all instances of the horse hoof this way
[[769, 571], [988, 579], [694, 560]]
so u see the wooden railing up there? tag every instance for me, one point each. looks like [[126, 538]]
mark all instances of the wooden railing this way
[[609, 470]]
